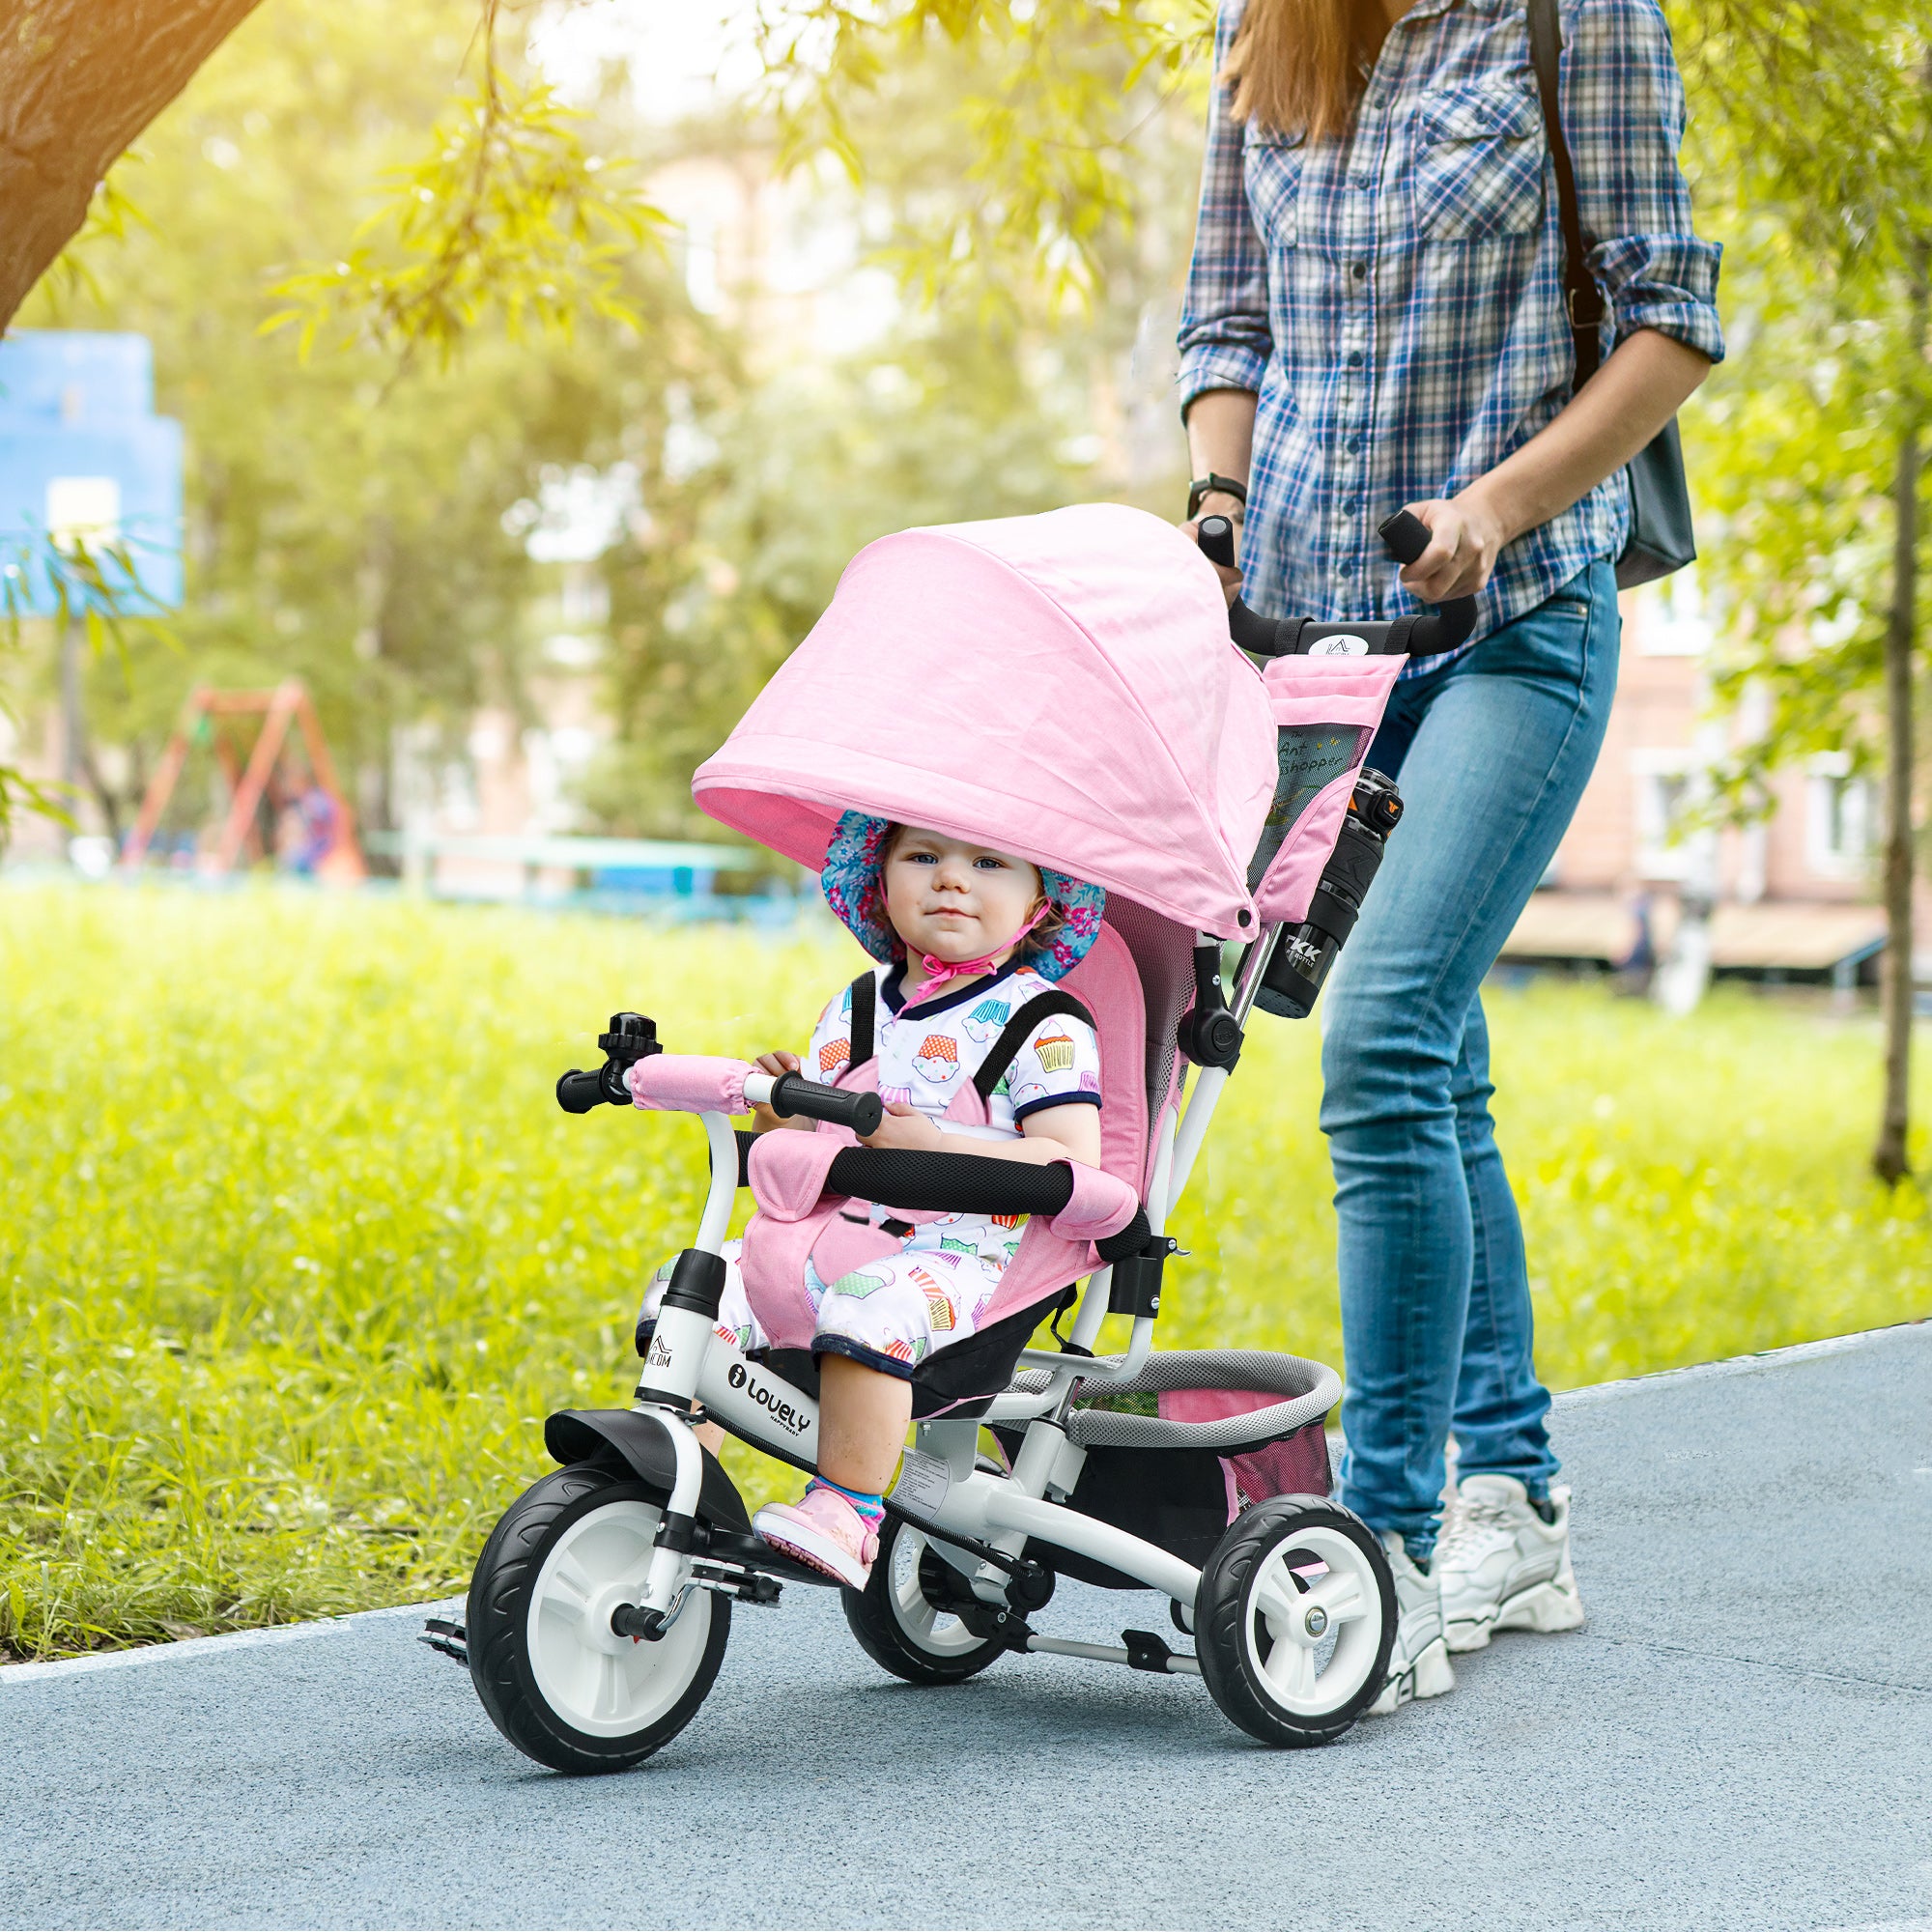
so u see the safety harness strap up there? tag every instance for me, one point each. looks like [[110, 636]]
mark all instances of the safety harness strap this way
[[1015, 1033], [865, 1005]]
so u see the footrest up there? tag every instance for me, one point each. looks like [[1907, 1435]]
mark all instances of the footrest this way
[[446, 1639]]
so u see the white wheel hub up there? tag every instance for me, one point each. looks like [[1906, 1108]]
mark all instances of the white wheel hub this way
[[937, 1633], [1312, 1622], [597, 1682]]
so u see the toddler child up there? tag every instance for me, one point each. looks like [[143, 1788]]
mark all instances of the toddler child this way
[[968, 937]]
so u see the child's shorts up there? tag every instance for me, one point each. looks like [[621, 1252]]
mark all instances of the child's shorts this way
[[892, 1313]]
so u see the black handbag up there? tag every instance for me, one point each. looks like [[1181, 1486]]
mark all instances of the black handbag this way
[[1660, 537]]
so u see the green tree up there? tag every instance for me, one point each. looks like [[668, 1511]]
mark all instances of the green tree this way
[[1809, 446], [344, 516]]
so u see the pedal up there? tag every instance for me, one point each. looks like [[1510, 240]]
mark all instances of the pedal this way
[[446, 1639], [745, 1586]]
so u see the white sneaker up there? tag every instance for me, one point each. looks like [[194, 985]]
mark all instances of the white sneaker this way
[[1501, 1567], [1419, 1663]]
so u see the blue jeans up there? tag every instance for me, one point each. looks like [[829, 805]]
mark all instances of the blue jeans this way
[[1492, 751]]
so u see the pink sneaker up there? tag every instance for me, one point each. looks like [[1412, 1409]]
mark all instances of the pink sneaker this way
[[824, 1530]]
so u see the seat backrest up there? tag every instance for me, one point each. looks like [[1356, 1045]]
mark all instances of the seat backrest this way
[[1106, 983], [1136, 981]]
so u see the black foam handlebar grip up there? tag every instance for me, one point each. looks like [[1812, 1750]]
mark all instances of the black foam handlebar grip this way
[[1218, 541], [949, 1183], [1448, 624], [1405, 535], [793, 1094], [578, 1093]]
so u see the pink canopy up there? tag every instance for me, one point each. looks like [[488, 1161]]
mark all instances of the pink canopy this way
[[1060, 687]]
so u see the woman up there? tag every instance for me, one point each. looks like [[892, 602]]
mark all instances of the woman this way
[[1374, 318]]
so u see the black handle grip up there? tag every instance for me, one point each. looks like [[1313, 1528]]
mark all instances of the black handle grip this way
[[793, 1094], [1448, 624], [1218, 541], [578, 1093], [1405, 535]]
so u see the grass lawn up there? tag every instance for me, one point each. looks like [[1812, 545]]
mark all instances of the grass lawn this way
[[298, 1251]]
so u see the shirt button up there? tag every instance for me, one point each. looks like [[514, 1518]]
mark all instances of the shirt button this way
[[1349, 508], [1354, 444], [1354, 358], [1359, 271]]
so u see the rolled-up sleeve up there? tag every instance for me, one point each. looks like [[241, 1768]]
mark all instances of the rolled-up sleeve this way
[[1623, 110], [1223, 337]]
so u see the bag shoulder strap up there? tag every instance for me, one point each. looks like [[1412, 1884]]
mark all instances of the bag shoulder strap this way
[[1583, 299], [1014, 1033], [865, 1015]]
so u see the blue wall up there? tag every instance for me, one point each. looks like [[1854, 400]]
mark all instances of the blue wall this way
[[75, 403]]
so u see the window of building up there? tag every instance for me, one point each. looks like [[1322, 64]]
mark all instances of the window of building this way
[[1840, 816], [1664, 783], [1671, 619]]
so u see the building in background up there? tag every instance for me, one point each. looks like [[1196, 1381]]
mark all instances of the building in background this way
[[1789, 897]]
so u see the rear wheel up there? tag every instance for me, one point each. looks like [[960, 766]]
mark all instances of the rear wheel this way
[[903, 1617], [553, 1676], [1294, 1620]]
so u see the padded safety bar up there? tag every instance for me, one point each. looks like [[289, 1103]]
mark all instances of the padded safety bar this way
[[949, 1183]]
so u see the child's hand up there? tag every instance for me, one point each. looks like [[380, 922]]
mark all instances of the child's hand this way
[[763, 1120], [906, 1126]]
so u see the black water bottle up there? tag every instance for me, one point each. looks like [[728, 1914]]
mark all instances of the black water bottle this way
[[1304, 954]]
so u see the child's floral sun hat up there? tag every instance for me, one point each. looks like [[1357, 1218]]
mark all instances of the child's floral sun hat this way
[[856, 892]]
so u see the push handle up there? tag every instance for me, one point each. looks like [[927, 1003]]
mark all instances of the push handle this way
[[794, 1093], [1407, 536]]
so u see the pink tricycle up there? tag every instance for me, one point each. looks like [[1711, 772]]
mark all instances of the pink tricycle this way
[[1217, 801]]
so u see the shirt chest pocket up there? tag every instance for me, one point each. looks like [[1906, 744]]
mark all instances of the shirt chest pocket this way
[[1272, 170], [1478, 168]]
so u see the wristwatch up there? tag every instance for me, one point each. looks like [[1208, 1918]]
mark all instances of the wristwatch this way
[[1212, 485]]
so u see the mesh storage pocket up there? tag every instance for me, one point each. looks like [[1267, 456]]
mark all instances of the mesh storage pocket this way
[[1325, 713]]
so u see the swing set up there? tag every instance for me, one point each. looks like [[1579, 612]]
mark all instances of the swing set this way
[[286, 769]]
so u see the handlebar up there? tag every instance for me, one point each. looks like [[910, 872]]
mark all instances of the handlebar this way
[[629, 1039], [793, 1094], [578, 1093], [1407, 536]]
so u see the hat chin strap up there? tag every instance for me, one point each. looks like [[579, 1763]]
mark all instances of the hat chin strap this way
[[939, 971]]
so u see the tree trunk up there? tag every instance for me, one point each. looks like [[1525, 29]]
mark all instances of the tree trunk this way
[[78, 81], [1889, 1157]]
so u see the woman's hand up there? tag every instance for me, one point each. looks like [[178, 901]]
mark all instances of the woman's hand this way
[[763, 1120], [1464, 536], [906, 1127]]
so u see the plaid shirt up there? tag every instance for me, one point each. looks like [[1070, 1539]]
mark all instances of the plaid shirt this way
[[1395, 295]]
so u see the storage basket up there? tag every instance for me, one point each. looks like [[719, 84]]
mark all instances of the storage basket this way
[[1229, 1427]]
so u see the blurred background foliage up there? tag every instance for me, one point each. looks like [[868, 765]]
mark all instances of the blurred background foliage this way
[[358, 502]]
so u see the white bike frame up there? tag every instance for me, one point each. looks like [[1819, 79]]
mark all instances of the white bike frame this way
[[941, 1485]]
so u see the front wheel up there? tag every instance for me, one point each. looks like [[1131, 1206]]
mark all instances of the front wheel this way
[[904, 1619], [1294, 1620], [553, 1676]]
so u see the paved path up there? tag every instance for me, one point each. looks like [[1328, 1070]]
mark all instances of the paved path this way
[[1742, 1738]]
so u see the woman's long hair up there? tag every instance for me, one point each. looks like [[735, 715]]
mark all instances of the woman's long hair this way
[[1298, 66]]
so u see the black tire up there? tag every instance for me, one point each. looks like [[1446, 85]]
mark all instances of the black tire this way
[[503, 1604], [887, 1627], [1235, 1640]]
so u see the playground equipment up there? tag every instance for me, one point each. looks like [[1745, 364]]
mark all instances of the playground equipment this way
[[282, 769]]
